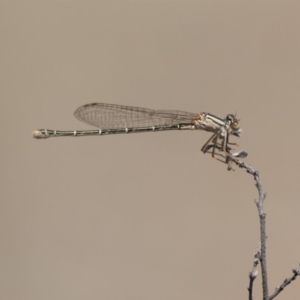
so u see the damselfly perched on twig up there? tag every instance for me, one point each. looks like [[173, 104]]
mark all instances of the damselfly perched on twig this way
[[111, 118]]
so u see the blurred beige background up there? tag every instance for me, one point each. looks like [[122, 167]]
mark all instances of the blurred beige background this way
[[146, 216]]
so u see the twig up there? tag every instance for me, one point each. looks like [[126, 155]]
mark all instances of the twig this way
[[261, 254], [253, 274], [263, 237], [234, 157], [286, 282], [262, 218]]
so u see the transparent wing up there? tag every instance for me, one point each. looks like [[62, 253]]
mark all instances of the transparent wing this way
[[114, 116]]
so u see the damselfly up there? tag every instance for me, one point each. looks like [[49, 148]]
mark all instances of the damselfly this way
[[112, 118]]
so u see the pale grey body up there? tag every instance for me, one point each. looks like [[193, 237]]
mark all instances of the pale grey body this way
[[111, 119]]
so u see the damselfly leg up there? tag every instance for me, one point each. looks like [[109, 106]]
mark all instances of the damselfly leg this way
[[230, 125]]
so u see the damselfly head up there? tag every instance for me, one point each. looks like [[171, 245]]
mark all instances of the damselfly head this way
[[233, 122]]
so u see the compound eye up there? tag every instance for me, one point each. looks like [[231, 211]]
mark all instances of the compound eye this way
[[235, 125], [234, 122]]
